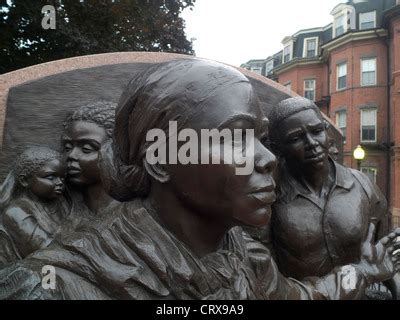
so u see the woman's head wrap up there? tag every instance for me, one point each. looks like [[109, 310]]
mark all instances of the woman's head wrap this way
[[172, 91]]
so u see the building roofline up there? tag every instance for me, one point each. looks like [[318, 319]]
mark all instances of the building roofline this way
[[302, 31], [255, 60], [329, 25], [305, 31], [352, 36], [343, 5], [389, 14], [296, 62]]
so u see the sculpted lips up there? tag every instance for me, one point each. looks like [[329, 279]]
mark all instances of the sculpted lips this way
[[315, 156], [58, 190], [265, 194], [71, 170]]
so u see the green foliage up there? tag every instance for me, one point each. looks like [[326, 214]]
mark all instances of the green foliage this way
[[94, 26]]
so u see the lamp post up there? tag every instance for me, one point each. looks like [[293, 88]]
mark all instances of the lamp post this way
[[359, 154]]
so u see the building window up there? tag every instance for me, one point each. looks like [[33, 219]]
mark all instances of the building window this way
[[269, 66], [339, 25], [288, 85], [368, 125], [396, 219], [368, 72], [341, 75], [256, 69], [310, 47], [287, 53], [309, 89], [370, 172], [341, 122], [368, 20]]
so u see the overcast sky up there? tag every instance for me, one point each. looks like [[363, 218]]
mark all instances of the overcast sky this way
[[235, 31]]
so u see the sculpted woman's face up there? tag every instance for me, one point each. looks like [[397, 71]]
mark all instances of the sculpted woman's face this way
[[216, 191], [48, 182], [82, 142]]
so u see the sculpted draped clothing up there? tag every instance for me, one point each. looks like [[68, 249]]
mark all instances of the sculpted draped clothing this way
[[27, 226], [129, 255]]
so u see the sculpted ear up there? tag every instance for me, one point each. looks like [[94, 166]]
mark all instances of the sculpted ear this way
[[157, 171], [23, 180]]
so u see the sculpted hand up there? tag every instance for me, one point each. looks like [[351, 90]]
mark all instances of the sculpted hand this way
[[378, 263]]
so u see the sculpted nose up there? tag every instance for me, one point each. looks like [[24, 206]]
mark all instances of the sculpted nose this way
[[310, 141], [265, 160], [72, 155]]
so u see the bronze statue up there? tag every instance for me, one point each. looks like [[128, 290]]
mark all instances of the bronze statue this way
[[32, 206], [86, 130], [323, 210], [332, 148], [180, 237]]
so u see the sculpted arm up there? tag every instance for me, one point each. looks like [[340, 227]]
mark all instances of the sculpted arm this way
[[342, 283], [25, 230]]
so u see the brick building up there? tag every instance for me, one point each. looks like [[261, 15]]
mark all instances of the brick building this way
[[351, 69]]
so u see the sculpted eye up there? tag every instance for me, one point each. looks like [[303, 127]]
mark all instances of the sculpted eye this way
[[294, 139], [87, 148], [67, 147], [318, 130], [49, 177]]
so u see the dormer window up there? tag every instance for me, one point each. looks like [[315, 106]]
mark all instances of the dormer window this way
[[257, 70], [339, 25], [310, 47], [344, 19], [269, 66], [368, 20], [287, 53]]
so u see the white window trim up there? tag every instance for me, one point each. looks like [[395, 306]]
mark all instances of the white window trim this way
[[305, 46], [253, 69], [270, 62], [359, 19], [291, 51], [376, 125], [337, 113], [344, 9], [361, 72], [337, 77], [314, 87], [374, 169], [342, 13]]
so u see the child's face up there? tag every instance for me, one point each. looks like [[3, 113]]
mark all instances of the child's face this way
[[48, 182]]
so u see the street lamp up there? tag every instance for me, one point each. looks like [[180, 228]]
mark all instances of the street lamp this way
[[359, 154]]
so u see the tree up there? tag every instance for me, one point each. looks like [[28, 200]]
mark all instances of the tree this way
[[89, 27]]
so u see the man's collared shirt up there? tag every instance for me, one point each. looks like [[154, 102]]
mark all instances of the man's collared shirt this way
[[312, 235]]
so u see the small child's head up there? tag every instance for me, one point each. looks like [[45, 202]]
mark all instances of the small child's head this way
[[41, 171]]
